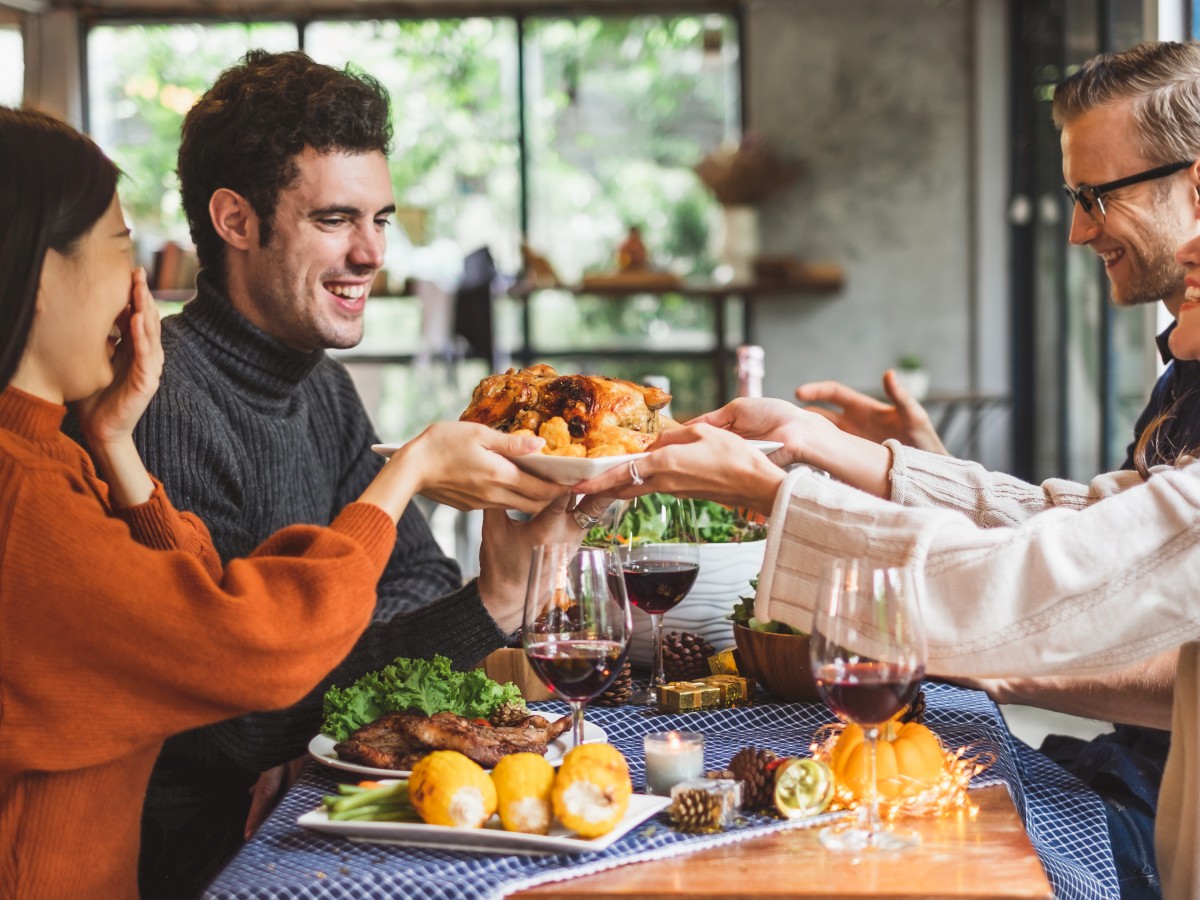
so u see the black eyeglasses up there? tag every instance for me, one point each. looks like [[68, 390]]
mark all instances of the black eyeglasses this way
[[1091, 197]]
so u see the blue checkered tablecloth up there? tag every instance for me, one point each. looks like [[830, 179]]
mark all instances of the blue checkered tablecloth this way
[[1065, 820]]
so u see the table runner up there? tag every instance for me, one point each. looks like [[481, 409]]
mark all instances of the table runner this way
[[1065, 820]]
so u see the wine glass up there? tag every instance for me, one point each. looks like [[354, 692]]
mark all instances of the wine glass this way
[[577, 623], [868, 658], [660, 556]]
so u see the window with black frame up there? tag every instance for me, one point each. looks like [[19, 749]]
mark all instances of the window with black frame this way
[[12, 65], [612, 114]]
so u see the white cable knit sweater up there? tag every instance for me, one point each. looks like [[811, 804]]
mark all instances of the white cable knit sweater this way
[[1080, 588]]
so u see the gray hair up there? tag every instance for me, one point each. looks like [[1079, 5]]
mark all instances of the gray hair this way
[[1161, 78]]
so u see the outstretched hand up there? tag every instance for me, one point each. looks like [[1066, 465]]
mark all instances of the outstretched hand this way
[[699, 460], [109, 415], [468, 466], [904, 419]]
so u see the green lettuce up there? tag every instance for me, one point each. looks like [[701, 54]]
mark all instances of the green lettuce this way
[[428, 685]]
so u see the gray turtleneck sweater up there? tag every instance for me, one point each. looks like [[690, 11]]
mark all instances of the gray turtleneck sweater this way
[[252, 436]]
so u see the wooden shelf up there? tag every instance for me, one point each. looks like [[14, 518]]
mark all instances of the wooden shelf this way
[[804, 280]]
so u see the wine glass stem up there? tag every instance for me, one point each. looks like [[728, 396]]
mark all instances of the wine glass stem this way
[[871, 735], [658, 679], [577, 721]]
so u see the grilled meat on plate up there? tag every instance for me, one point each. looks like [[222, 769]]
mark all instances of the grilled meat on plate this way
[[397, 740]]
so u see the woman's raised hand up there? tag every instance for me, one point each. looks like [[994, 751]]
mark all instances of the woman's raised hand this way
[[464, 465], [109, 415], [697, 460]]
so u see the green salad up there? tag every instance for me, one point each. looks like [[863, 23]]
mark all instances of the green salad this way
[[715, 524], [428, 685], [743, 614]]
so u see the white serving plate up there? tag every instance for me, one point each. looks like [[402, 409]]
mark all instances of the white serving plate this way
[[321, 749], [573, 469], [489, 839]]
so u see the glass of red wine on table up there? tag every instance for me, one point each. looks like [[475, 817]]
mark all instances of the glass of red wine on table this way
[[660, 556], [868, 658], [577, 623]]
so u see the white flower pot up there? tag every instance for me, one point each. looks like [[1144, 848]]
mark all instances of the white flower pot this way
[[915, 380], [725, 574]]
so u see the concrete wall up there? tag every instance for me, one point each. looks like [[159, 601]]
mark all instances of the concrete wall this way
[[880, 101]]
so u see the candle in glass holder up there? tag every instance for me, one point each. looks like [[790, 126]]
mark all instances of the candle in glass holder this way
[[671, 757]]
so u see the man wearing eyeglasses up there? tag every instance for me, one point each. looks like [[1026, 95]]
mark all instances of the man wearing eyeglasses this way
[[1131, 161]]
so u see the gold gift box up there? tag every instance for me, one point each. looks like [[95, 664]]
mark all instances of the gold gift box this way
[[736, 690], [682, 696], [723, 663]]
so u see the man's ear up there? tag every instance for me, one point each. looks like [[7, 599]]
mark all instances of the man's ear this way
[[233, 218]]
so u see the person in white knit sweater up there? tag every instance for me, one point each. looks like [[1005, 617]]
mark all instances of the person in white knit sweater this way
[[1105, 576]]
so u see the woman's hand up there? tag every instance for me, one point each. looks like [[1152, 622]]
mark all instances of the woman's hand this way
[[109, 416], [905, 419], [697, 460], [764, 419], [463, 465]]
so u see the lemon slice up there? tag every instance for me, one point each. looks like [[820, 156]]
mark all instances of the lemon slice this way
[[803, 787]]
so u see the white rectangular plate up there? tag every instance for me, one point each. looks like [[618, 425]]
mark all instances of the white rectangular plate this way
[[321, 749], [573, 469], [490, 838]]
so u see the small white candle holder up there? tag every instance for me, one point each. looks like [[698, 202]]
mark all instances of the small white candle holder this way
[[672, 757]]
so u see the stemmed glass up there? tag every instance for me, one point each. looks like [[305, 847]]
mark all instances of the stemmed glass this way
[[577, 623], [868, 658], [660, 555]]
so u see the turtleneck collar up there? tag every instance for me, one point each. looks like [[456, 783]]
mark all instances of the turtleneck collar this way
[[245, 353], [30, 416]]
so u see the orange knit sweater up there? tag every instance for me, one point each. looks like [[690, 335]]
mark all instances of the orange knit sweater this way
[[118, 628]]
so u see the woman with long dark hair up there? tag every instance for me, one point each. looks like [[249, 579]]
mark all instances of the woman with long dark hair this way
[[118, 625]]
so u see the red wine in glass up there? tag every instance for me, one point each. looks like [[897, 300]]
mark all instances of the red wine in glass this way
[[577, 669], [868, 693], [657, 585]]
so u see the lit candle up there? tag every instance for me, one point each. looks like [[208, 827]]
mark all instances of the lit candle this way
[[672, 756]]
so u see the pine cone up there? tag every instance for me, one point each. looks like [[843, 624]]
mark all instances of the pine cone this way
[[752, 767], [696, 811], [915, 712], [685, 656], [619, 692]]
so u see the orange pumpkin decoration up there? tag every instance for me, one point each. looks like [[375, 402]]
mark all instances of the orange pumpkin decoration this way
[[909, 759]]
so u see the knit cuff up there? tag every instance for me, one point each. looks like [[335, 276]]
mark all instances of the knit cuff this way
[[371, 528], [898, 473], [155, 523]]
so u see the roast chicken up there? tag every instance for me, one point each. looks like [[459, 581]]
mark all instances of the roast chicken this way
[[592, 406]]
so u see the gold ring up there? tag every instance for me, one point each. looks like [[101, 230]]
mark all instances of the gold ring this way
[[633, 473]]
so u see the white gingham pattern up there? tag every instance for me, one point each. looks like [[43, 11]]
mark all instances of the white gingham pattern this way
[[284, 862]]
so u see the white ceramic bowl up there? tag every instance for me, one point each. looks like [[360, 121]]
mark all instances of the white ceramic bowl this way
[[725, 573]]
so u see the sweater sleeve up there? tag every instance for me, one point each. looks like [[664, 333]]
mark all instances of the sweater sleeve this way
[[989, 499], [159, 526], [1068, 591], [136, 643], [457, 626]]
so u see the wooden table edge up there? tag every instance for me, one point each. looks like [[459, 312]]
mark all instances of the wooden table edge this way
[[988, 858]]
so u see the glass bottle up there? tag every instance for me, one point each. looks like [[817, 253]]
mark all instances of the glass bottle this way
[[750, 370]]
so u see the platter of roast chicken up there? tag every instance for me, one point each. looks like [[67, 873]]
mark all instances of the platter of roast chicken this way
[[591, 423]]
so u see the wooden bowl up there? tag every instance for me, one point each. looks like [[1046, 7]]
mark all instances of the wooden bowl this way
[[779, 662]]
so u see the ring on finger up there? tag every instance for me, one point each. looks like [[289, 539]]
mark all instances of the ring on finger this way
[[583, 520], [633, 473]]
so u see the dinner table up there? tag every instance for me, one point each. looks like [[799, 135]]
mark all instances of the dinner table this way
[[1030, 830]]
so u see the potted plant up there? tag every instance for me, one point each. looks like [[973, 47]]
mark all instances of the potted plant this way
[[732, 544], [910, 371]]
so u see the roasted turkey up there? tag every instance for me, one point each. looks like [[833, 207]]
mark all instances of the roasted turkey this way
[[591, 405]]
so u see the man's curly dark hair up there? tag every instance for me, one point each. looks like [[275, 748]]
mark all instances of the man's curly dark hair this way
[[245, 132]]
